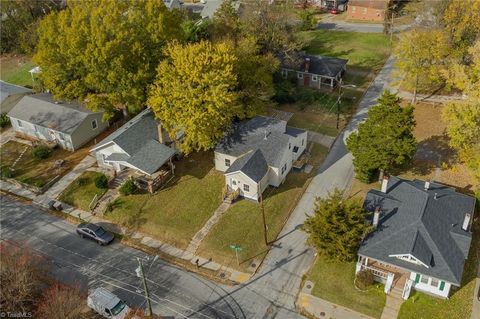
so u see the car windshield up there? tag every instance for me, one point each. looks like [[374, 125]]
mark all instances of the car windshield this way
[[100, 231], [118, 308]]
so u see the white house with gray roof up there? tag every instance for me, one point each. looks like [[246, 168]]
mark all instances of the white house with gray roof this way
[[422, 236], [258, 153], [140, 144], [69, 125]]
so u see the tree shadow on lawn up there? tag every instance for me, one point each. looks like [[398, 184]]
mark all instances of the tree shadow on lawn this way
[[432, 153]]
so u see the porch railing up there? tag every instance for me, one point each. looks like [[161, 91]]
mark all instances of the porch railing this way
[[376, 272]]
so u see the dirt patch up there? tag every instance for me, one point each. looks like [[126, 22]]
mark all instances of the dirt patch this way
[[11, 62]]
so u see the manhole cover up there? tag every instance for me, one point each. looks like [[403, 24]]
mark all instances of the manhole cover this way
[[322, 314], [309, 286]]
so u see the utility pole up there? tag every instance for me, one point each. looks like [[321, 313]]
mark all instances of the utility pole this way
[[263, 215], [340, 94], [140, 273]]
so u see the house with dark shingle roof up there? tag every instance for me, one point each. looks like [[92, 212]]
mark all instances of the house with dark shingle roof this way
[[258, 153], [140, 145], [314, 71], [10, 94], [422, 236], [67, 124]]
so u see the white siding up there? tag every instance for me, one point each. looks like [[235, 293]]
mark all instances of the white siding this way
[[297, 141], [220, 161], [427, 287], [108, 150], [237, 180]]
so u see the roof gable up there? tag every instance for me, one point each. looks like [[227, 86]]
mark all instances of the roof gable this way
[[253, 165], [425, 224]]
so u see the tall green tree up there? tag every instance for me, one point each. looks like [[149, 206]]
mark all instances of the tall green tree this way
[[337, 226], [254, 72], [194, 92], [385, 140], [272, 25], [105, 53], [19, 21], [422, 57], [226, 24]]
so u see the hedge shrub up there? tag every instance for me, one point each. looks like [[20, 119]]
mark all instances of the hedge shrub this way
[[41, 152], [101, 181], [128, 187]]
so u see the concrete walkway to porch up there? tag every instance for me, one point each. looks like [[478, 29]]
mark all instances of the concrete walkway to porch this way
[[203, 232], [57, 188]]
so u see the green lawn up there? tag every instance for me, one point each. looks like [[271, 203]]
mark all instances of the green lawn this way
[[459, 304], [175, 213], [34, 171], [333, 281], [242, 223], [82, 190], [320, 116], [363, 50], [15, 70]]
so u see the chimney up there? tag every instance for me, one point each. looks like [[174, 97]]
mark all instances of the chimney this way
[[384, 184], [307, 65], [466, 222], [160, 133], [376, 216], [266, 135], [435, 196], [427, 185]]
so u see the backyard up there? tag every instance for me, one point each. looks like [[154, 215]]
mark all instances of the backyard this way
[[15, 70], [175, 213], [34, 171], [82, 190], [242, 224], [316, 111], [333, 281]]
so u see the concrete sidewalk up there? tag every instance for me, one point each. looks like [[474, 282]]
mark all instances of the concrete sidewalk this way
[[320, 308]]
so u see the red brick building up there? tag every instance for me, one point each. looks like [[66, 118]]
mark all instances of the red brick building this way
[[368, 10]]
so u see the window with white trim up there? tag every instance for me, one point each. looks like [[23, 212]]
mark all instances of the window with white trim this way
[[314, 78], [424, 279], [434, 282], [246, 188], [19, 123], [94, 124], [303, 141], [300, 75], [227, 162], [234, 182]]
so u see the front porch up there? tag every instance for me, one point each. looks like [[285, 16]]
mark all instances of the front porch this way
[[392, 277]]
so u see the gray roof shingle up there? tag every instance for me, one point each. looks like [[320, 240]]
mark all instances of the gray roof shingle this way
[[320, 65], [263, 133], [413, 222], [253, 165], [7, 89], [41, 109], [139, 139]]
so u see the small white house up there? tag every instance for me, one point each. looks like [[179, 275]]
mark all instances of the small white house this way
[[258, 153], [421, 239], [140, 144], [69, 125]]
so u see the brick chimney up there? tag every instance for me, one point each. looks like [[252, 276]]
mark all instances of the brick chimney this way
[[427, 186], [376, 216], [307, 65], [384, 184], [160, 133]]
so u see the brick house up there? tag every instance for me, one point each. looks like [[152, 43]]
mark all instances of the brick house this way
[[315, 71], [368, 10]]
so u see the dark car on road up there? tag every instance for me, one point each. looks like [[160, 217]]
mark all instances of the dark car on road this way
[[94, 232]]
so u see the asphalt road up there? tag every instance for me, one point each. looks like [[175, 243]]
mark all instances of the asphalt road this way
[[271, 293]]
